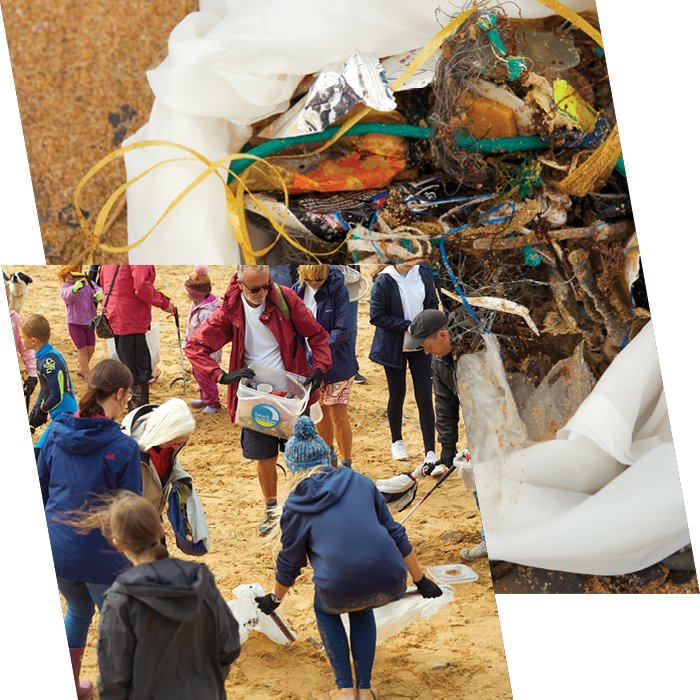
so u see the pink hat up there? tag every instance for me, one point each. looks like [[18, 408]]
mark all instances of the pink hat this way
[[199, 281]]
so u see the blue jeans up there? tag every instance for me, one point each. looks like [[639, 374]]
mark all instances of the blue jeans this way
[[363, 640], [81, 599]]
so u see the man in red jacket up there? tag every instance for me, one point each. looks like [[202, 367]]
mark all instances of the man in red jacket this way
[[264, 329], [128, 310]]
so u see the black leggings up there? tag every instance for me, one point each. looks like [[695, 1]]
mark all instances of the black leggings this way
[[133, 351], [419, 365]]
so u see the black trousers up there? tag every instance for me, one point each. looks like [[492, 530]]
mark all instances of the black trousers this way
[[133, 351], [419, 365]]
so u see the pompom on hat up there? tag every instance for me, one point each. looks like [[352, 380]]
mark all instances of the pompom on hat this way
[[198, 280], [306, 449]]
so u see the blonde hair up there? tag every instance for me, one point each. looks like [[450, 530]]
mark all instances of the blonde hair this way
[[65, 270], [312, 272], [125, 517]]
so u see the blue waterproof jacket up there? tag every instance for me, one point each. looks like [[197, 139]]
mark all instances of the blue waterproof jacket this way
[[82, 457], [339, 521], [386, 313], [333, 313]]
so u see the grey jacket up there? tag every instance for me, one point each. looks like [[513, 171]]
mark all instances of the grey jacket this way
[[446, 400], [165, 632]]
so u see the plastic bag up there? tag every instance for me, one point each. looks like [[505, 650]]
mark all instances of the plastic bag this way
[[250, 617], [399, 614]]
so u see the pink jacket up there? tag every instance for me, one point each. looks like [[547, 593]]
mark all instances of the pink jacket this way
[[27, 356], [133, 295], [200, 313]]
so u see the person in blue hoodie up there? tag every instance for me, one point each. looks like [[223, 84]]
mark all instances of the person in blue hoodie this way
[[322, 288], [339, 521], [87, 454], [399, 293], [56, 393]]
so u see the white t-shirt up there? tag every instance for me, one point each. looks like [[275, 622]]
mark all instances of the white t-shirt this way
[[412, 291], [310, 301], [260, 346]]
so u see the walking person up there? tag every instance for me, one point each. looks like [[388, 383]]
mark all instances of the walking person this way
[[86, 454], [399, 294], [338, 520], [81, 297], [204, 303], [128, 309], [165, 629], [55, 386], [322, 289], [264, 323]]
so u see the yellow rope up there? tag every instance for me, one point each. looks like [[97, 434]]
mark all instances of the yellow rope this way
[[589, 171]]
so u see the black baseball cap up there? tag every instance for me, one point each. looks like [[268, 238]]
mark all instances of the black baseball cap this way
[[424, 325]]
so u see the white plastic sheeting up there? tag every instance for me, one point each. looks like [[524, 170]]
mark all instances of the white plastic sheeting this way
[[604, 496], [231, 64]]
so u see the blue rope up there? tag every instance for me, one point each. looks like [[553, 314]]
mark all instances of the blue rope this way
[[458, 287], [629, 328]]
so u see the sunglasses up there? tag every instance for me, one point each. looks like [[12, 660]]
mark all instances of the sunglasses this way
[[254, 290]]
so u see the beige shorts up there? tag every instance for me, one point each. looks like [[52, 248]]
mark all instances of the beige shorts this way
[[337, 392]]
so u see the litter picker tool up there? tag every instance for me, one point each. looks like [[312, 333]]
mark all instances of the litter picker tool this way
[[182, 359], [422, 500]]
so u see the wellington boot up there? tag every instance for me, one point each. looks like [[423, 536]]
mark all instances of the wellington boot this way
[[82, 688]]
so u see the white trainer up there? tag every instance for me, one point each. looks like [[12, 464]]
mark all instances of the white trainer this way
[[476, 552], [398, 450], [430, 457]]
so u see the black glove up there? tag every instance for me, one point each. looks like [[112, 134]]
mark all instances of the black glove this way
[[448, 454], [37, 417], [428, 588], [29, 386], [268, 603], [314, 379], [231, 377]]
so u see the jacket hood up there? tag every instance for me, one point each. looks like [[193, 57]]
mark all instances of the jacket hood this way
[[164, 422], [336, 280], [173, 588], [409, 277], [320, 491], [83, 436]]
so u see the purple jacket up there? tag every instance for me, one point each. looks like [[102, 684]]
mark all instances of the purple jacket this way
[[81, 306]]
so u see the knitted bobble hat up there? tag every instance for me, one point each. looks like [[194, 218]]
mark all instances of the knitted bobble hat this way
[[306, 449], [199, 281]]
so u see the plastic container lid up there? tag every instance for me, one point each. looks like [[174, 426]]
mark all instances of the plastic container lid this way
[[453, 573]]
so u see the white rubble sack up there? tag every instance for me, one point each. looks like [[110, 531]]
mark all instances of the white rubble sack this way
[[229, 65], [250, 617], [603, 497]]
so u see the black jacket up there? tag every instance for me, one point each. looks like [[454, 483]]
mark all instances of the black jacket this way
[[165, 632], [446, 400]]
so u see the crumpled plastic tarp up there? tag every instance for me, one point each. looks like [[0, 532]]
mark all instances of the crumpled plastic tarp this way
[[394, 617], [231, 64], [604, 497]]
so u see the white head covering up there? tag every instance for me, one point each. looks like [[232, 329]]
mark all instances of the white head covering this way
[[170, 420]]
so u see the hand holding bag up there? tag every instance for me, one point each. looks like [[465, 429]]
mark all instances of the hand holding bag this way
[[100, 323]]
